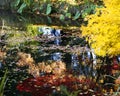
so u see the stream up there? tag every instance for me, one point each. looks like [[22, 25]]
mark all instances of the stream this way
[[53, 45]]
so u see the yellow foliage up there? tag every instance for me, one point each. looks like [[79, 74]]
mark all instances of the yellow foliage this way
[[103, 29], [32, 30]]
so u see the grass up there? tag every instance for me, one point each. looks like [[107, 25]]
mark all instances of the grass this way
[[3, 83]]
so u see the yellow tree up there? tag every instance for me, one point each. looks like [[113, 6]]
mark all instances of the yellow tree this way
[[103, 29]]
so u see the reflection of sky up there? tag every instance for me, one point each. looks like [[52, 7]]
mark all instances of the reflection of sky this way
[[45, 30], [51, 33], [119, 58], [56, 33], [74, 61], [94, 72], [56, 56], [57, 40], [94, 57], [86, 70], [89, 54]]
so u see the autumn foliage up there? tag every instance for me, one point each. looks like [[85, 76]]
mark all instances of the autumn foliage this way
[[55, 75], [45, 85], [103, 29]]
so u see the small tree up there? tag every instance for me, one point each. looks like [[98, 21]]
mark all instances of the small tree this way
[[103, 29]]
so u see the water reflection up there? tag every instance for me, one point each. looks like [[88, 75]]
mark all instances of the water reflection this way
[[94, 57], [56, 56], [119, 58], [0, 65], [46, 31], [83, 63], [74, 61], [57, 36]]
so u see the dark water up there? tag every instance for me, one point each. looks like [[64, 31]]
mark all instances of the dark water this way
[[49, 54], [74, 51]]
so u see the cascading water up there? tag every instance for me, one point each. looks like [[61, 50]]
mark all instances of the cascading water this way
[[55, 35], [57, 40], [74, 61], [56, 56], [83, 66]]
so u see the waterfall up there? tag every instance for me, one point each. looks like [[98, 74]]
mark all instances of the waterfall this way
[[56, 56], [57, 40], [57, 36], [94, 57], [74, 61], [83, 66], [118, 58], [45, 30]]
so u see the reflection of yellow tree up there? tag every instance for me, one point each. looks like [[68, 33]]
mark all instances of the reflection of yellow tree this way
[[103, 29]]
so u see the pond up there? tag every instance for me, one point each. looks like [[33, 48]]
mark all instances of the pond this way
[[55, 62]]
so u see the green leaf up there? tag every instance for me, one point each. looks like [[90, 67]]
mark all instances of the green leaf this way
[[15, 3], [68, 15], [41, 7], [77, 15], [64, 90], [49, 19], [34, 9], [28, 2], [84, 15], [21, 18], [20, 10], [62, 17], [2, 83], [88, 10], [49, 9], [75, 93]]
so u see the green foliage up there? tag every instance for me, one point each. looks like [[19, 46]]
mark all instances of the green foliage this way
[[49, 9], [89, 8], [32, 30], [67, 93], [77, 15], [68, 15], [21, 5], [62, 17], [16, 3], [2, 83], [49, 19], [68, 8], [17, 37], [20, 10], [28, 2]]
